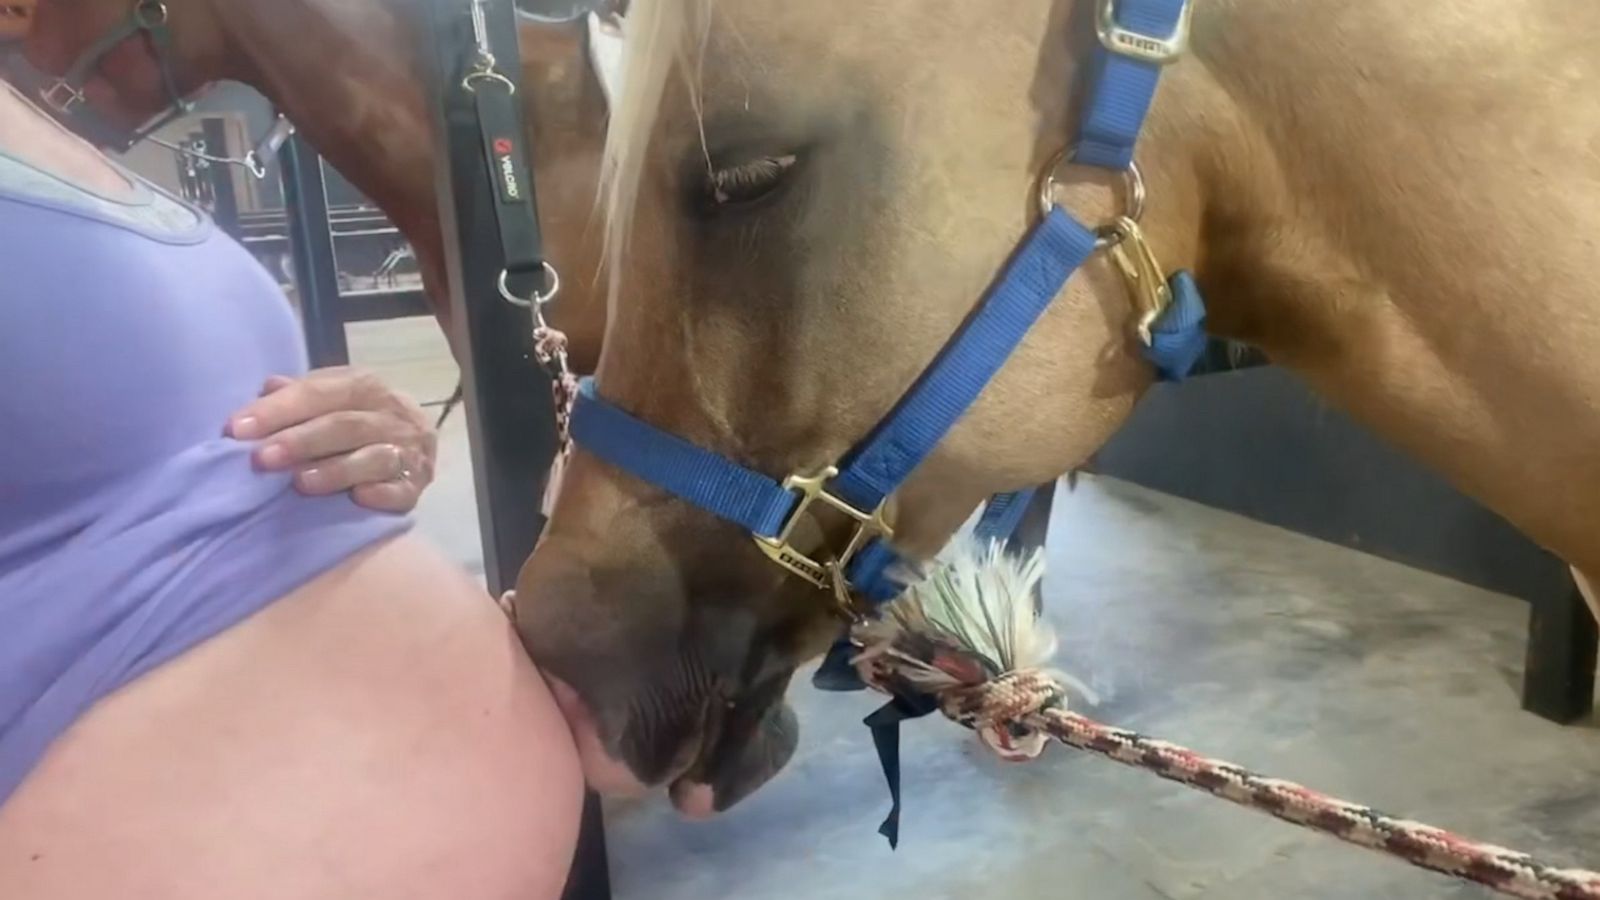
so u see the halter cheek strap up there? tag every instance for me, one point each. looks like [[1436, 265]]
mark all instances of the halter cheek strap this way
[[1137, 37]]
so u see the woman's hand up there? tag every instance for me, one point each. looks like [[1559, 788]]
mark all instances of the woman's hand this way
[[342, 429]]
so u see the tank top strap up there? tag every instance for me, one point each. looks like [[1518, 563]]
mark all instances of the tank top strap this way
[[150, 210]]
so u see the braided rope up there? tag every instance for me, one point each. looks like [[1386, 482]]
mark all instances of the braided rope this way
[[1011, 709], [550, 349]]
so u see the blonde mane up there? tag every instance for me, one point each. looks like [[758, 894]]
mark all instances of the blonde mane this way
[[657, 34]]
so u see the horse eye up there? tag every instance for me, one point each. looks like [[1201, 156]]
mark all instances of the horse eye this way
[[747, 182]]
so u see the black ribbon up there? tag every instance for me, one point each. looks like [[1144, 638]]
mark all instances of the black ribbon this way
[[885, 725], [838, 674]]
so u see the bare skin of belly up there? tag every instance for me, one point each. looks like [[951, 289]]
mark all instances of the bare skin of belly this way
[[379, 733]]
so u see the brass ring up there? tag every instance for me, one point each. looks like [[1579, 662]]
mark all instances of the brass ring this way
[[1108, 235]]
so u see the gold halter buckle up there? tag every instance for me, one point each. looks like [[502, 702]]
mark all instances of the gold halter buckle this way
[[824, 574], [1158, 49]]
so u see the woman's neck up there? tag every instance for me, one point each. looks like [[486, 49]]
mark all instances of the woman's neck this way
[[30, 135]]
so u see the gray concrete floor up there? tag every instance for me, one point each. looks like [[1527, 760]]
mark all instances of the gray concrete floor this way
[[1298, 659]]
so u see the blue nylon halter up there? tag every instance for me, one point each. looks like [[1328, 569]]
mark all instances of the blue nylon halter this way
[[921, 420], [1122, 90]]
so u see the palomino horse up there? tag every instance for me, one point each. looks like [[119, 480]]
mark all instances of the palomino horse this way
[[1399, 202], [343, 71]]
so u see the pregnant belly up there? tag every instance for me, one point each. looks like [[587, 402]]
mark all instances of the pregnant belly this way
[[377, 733]]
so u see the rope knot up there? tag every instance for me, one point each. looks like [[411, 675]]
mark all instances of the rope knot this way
[[999, 709]]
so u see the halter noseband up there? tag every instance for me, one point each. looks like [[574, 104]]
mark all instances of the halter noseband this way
[[1137, 38], [65, 95]]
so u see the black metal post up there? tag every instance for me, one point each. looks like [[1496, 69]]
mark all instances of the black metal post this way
[[509, 411], [316, 271], [1559, 670], [226, 209], [380, 307], [1035, 525]]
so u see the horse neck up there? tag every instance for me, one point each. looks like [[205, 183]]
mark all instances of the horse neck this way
[[366, 114]]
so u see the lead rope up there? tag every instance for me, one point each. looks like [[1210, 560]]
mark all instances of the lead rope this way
[[917, 656], [550, 349], [1035, 702]]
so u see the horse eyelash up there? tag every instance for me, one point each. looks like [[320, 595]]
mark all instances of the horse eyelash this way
[[749, 180]]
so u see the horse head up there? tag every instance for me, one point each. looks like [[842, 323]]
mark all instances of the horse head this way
[[808, 200]]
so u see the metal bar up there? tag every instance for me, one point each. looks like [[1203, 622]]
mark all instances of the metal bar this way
[[377, 306], [226, 211], [336, 212], [276, 226], [365, 232], [1035, 525], [590, 878], [509, 412], [181, 169], [316, 271], [1558, 672]]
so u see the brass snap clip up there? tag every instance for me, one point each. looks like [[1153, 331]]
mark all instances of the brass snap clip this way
[[1143, 274]]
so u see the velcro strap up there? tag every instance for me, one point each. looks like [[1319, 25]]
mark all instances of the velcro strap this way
[[516, 204]]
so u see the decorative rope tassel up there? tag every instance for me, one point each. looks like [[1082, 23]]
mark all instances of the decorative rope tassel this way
[[965, 640]]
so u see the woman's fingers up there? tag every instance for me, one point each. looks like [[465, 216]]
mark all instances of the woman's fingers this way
[[387, 496], [331, 435], [286, 402], [372, 464], [342, 429], [276, 383]]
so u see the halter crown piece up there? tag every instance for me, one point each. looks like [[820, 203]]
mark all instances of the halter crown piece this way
[[1137, 39]]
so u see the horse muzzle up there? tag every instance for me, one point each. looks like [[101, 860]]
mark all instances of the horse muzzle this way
[[662, 686]]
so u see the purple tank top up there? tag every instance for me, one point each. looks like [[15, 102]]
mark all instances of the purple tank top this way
[[131, 529]]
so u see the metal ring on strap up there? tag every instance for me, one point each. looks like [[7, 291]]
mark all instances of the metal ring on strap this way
[[552, 280], [1108, 235], [486, 71], [150, 14]]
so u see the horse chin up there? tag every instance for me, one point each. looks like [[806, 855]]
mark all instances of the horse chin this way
[[605, 773], [709, 780]]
